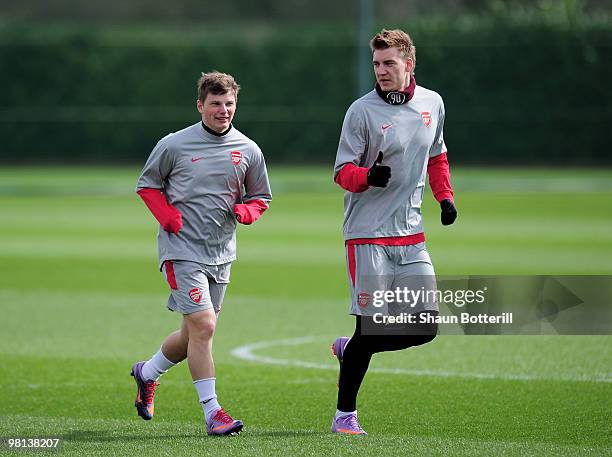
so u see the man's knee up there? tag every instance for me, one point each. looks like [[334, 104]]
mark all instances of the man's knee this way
[[428, 338], [425, 334], [415, 337], [201, 325]]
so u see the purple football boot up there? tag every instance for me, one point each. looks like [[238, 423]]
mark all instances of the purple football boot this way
[[222, 424], [338, 346], [347, 425], [145, 394], [337, 349]]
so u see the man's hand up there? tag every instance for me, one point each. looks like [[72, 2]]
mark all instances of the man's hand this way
[[242, 214], [449, 212], [167, 215], [249, 212], [379, 175]]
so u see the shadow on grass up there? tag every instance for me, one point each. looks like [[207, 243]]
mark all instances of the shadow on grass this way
[[284, 433], [92, 436]]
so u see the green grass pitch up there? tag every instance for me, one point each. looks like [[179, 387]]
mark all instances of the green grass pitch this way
[[81, 300]]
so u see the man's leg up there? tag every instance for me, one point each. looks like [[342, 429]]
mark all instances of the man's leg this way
[[172, 351], [182, 277], [355, 362], [357, 353], [146, 374], [200, 327], [200, 330], [174, 346], [366, 269]]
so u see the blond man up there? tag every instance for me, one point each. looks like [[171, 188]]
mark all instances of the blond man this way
[[391, 139]]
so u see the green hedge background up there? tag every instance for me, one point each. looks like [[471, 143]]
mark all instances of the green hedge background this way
[[516, 91]]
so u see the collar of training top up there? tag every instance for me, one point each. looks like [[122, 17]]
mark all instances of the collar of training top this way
[[212, 132], [398, 97]]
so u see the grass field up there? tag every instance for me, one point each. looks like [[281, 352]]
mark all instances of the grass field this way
[[81, 300]]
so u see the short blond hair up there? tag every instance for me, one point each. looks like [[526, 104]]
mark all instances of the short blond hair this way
[[216, 83], [395, 39]]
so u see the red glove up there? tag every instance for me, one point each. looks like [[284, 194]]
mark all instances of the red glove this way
[[167, 215], [439, 177], [249, 212], [353, 178]]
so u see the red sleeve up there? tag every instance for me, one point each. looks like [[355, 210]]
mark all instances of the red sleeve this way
[[353, 178], [439, 177], [167, 215], [249, 212]]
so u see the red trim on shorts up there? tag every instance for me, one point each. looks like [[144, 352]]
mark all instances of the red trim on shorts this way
[[170, 275], [390, 240], [350, 249]]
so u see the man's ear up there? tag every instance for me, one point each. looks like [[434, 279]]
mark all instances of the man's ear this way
[[200, 105], [409, 65]]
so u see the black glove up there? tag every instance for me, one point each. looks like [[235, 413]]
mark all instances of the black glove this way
[[449, 212], [379, 175]]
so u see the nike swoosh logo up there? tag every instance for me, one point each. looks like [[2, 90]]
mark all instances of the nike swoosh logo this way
[[195, 159], [348, 431], [222, 427], [386, 126]]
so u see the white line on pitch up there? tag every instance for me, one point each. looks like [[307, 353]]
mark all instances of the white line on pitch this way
[[247, 352]]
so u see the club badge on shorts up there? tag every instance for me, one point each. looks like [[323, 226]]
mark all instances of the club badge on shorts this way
[[363, 299], [236, 158], [426, 116], [195, 295]]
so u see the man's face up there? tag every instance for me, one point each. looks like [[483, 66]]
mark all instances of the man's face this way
[[218, 111], [391, 69]]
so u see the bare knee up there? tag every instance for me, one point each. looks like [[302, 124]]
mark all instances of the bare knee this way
[[201, 326]]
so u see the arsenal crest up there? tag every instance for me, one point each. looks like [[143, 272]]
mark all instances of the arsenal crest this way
[[426, 116], [363, 299], [236, 157], [195, 295]]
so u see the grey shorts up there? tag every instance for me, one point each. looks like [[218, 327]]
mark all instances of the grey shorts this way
[[375, 270], [195, 287]]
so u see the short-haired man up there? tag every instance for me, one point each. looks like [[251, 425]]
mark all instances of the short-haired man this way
[[198, 182], [391, 139]]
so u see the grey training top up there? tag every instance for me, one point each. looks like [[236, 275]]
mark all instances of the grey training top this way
[[408, 135], [204, 176]]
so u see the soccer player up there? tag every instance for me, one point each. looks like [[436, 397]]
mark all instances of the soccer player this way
[[391, 138], [198, 183]]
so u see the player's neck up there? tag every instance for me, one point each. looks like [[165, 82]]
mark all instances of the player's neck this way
[[398, 97], [215, 133], [409, 84]]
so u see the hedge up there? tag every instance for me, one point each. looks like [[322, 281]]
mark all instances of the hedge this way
[[534, 94]]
